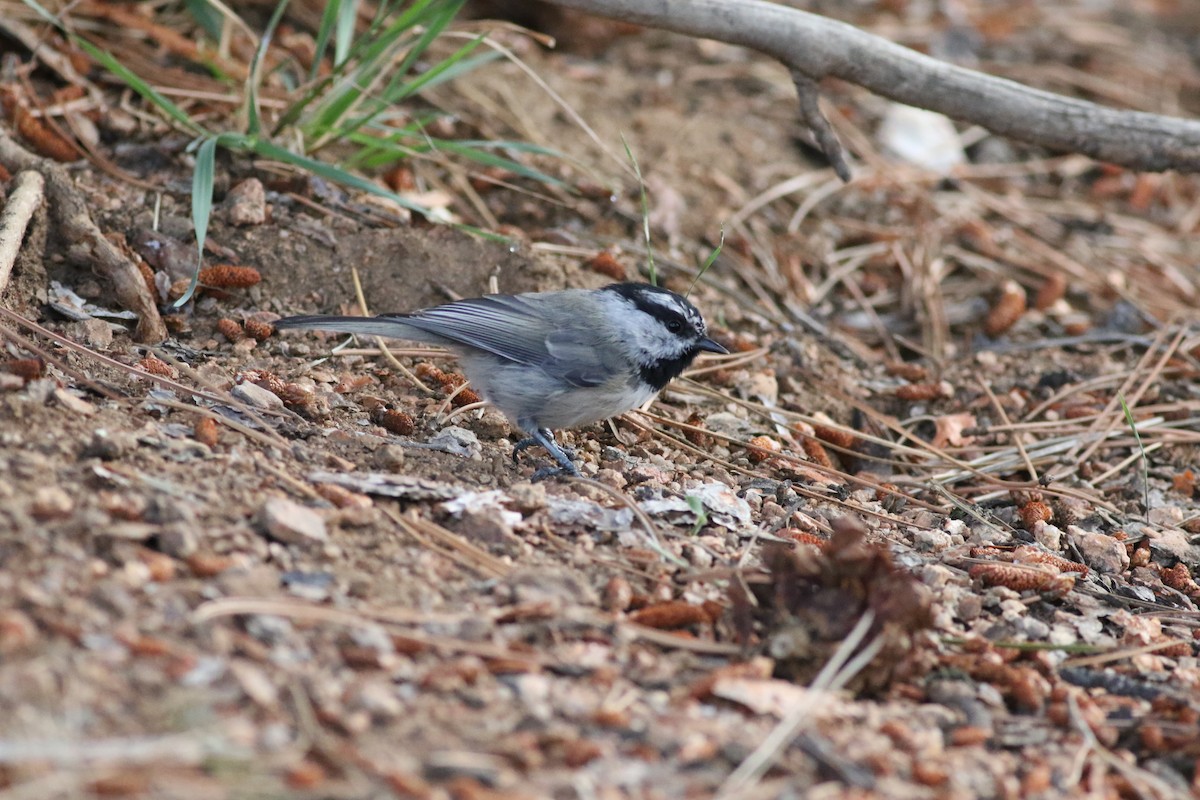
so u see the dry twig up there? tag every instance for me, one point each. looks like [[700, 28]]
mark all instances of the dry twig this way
[[838, 671], [26, 196], [813, 48]]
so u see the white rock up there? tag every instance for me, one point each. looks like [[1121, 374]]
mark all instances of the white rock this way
[[931, 541], [1174, 543], [456, 441], [291, 523], [377, 698], [246, 203], [257, 396], [922, 138], [1100, 552], [1048, 536], [94, 332]]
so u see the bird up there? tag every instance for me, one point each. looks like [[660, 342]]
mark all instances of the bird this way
[[557, 359]]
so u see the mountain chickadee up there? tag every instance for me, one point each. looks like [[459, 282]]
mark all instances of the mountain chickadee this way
[[554, 359]]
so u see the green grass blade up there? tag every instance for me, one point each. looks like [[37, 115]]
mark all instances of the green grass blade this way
[[394, 95], [340, 98], [268, 150], [697, 507], [253, 118], [440, 15], [650, 268], [708, 262], [712, 257], [477, 151], [297, 109], [459, 66], [399, 144], [330, 19], [338, 22], [377, 153], [202, 195], [400, 88], [1145, 463], [372, 58], [439, 20], [373, 47], [344, 34], [207, 17], [44, 14], [145, 90], [202, 191], [448, 68], [368, 49]]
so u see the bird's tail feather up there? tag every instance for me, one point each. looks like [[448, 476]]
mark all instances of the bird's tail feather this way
[[391, 327]]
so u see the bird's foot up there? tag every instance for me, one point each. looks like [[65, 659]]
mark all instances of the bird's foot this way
[[529, 442], [553, 472], [563, 455]]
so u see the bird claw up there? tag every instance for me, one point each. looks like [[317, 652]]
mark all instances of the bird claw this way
[[524, 444], [553, 472]]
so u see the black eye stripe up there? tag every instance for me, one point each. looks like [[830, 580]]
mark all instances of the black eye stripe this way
[[673, 322], [676, 310]]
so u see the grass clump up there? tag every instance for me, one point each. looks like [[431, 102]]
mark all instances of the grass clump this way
[[354, 94]]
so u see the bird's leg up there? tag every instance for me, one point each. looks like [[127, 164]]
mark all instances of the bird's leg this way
[[568, 451], [545, 437], [530, 441]]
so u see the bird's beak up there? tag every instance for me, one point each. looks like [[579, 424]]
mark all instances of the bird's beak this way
[[708, 345]]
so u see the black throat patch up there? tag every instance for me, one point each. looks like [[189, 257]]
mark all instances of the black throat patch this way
[[662, 372]]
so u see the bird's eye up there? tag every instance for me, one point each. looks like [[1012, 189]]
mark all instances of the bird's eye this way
[[674, 326]]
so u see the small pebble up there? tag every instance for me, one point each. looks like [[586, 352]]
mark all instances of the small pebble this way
[[291, 523], [93, 332], [246, 203], [109, 445], [255, 395], [1100, 552], [390, 457], [50, 503], [527, 497]]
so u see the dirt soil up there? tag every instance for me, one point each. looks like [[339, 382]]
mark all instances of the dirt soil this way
[[905, 527]]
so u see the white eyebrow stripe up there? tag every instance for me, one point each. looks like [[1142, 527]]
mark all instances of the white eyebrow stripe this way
[[671, 303]]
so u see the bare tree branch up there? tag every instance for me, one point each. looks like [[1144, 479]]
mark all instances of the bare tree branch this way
[[816, 47], [26, 197], [809, 95]]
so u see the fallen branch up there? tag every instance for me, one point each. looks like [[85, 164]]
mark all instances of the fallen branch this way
[[86, 244], [25, 199], [813, 48]]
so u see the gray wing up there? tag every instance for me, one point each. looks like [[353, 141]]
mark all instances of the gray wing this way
[[539, 330], [579, 358], [506, 325]]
